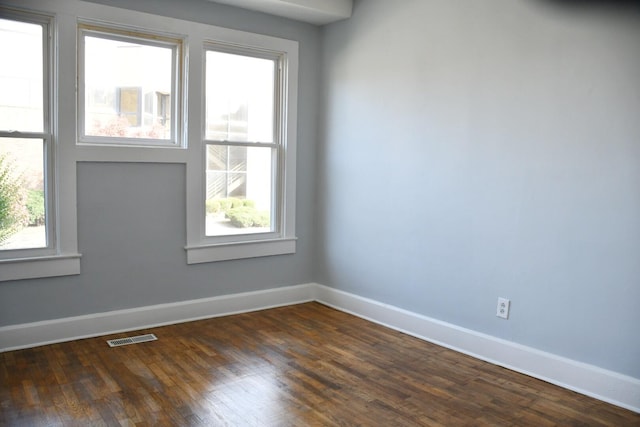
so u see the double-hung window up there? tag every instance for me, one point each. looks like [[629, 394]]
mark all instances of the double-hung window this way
[[26, 138], [36, 238], [247, 201], [242, 150]]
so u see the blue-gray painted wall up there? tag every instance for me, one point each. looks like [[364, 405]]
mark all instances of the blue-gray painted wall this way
[[473, 150]]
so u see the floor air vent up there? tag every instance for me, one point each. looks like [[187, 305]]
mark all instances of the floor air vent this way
[[131, 340]]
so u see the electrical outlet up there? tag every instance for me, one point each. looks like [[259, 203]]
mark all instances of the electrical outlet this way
[[503, 308]]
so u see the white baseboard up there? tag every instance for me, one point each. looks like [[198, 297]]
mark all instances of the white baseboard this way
[[34, 334], [608, 386]]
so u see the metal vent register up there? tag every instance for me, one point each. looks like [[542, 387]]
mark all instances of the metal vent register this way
[[131, 340]]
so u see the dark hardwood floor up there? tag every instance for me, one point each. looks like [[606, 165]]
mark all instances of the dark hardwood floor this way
[[303, 365]]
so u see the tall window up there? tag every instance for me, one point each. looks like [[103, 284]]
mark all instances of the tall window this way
[[246, 188], [130, 91], [26, 138], [242, 149]]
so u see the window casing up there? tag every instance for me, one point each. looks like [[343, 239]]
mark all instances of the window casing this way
[[29, 143]]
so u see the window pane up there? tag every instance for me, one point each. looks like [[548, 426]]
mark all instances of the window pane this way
[[239, 98], [22, 199], [239, 183], [127, 89], [21, 82]]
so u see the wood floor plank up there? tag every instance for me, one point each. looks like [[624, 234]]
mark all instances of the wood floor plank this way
[[302, 365]]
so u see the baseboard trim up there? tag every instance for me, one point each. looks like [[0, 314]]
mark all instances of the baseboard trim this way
[[35, 334], [602, 384]]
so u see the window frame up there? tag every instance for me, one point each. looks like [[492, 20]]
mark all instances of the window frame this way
[[145, 37], [59, 257], [277, 167], [282, 239]]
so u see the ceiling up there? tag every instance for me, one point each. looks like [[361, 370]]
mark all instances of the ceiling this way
[[317, 12]]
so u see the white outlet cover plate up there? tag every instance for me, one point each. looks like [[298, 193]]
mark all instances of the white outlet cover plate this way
[[503, 308]]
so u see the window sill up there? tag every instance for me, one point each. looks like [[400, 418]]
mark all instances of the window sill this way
[[37, 267], [240, 250]]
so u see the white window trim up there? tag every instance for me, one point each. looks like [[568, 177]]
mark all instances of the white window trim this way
[[61, 258], [200, 248], [74, 12], [66, 14]]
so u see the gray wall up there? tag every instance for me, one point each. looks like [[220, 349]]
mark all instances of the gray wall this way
[[472, 150], [131, 217]]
